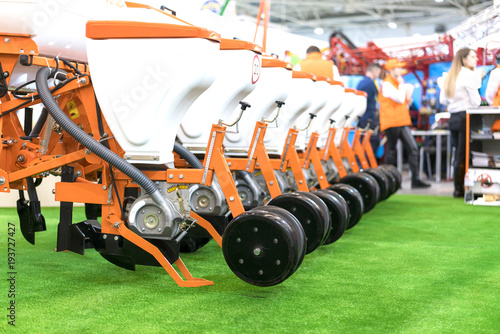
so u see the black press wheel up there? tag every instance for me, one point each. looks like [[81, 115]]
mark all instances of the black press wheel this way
[[382, 180], [339, 213], [296, 226], [313, 216], [353, 199], [325, 213], [394, 171], [260, 247], [367, 186], [393, 182]]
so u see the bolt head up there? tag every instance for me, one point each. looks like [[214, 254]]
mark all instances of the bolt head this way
[[2, 180], [7, 39], [231, 198]]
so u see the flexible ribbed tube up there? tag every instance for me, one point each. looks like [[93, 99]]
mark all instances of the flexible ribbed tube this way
[[84, 139], [187, 155], [39, 123]]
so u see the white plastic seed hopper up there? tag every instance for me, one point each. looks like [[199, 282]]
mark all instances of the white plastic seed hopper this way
[[238, 73], [321, 123], [358, 110], [300, 98], [347, 107], [274, 84], [57, 27], [322, 89], [146, 75]]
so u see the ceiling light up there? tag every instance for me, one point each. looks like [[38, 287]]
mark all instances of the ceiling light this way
[[438, 0], [319, 31], [392, 25]]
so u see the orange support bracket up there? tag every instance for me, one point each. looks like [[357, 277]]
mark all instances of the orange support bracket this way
[[47, 163], [331, 151], [189, 280], [346, 151], [367, 147], [312, 156], [258, 156], [358, 149], [290, 158], [207, 226], [215, 161]]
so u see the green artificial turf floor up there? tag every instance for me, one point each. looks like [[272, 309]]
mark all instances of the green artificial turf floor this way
[[414, 264]]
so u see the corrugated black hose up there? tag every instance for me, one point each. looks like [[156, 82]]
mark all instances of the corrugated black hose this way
[[94, 146], [188, 156]]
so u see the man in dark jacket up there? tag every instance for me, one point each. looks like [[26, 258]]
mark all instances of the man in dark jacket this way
[[367, 85]]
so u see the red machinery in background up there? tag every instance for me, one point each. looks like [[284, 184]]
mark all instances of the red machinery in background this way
[[352, 60]]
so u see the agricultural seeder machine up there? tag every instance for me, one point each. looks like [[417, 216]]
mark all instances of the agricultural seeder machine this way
[[169, 148]]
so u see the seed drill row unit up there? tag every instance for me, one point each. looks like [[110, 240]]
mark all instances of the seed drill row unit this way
[[173, 136]]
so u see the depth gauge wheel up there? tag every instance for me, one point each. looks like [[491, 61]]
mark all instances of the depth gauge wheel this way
[[260, 247], [299, 232], [367, 186], [396, 174], [354, 202], [311, 212], [339, 213], [382, 180]]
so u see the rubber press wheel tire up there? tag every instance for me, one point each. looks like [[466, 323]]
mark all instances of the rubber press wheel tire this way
[[296, 226], [326, 213], [312, 216], [395, 173], [382, 181], [260, 247], [393, 182], [367, 186], [339, 213], [354, 201]]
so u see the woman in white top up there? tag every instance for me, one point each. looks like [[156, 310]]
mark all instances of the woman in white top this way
[[460, 92]]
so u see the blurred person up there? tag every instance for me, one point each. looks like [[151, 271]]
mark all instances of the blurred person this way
[[492, 93], [460, 92], [367, 85], [394, 98], [315, 64]]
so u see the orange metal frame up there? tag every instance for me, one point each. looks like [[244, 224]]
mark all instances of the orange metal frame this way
[[331, 151], [63, 150], [367, 147], [358, 150], [346, 151]]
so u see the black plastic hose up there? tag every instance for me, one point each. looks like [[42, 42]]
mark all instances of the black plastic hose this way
[[39, 123], [83, 138], [188, 156]]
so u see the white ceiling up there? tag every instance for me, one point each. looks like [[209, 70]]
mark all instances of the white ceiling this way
[[367, 19]]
